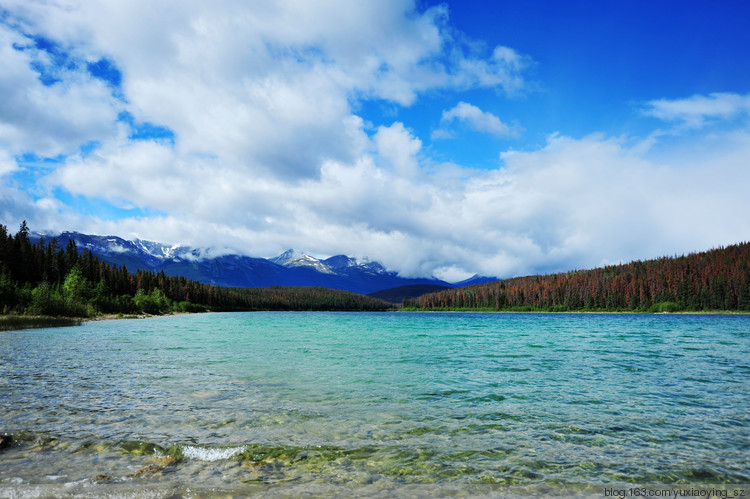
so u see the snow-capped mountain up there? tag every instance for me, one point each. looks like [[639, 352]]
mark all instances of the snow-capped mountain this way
[[291, 268], [292, 258], [339, 264], [121, 251], [161, 251], [343, 263]]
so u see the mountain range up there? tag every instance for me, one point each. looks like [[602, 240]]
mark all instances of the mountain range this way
[[292, 268]]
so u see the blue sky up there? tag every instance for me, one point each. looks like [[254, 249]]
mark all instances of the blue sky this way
[[440, 138]]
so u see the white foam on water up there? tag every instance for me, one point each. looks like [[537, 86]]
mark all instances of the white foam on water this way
[[210, 454]]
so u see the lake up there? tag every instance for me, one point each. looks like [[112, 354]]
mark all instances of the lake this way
[[375, 404]]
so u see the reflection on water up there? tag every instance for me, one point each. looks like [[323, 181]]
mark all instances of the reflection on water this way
[[385, 403]]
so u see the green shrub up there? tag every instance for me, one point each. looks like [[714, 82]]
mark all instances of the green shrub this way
[[46, 300], [154, 302], [664, 307]]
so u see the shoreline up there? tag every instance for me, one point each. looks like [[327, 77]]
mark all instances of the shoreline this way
[[20, 322], [601, 312]]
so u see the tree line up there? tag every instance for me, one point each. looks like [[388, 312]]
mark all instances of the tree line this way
[[42, 278], [718, 279]]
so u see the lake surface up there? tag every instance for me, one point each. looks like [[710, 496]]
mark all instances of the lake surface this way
[[375, 404]]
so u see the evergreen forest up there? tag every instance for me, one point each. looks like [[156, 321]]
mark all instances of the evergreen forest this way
[[715, 280], [43, 279]]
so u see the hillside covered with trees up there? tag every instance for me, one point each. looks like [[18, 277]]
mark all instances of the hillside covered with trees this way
[[44, 279], [718, 279]]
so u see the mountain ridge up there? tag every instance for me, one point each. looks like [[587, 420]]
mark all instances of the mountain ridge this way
[[291, 268]]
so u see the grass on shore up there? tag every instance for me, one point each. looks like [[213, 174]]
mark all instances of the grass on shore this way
[[11, 322], [14, 321]]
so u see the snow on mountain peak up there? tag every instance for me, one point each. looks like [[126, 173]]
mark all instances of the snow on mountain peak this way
[[294, 258], [166, 252], [343, 262], [287, 256]]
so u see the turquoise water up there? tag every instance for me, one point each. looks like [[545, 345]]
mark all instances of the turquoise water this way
[[374, 403]]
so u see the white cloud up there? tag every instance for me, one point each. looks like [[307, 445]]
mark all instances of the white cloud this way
[[696, 111], [476, 119], [398, 148], [265, 86], [575, 203], [7, 163], [48, 120], [504, 69]]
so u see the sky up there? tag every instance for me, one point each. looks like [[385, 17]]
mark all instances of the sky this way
[[441, 139]]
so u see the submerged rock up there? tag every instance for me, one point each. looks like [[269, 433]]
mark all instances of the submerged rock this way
[[139, 447], [5, 441], [151, 469], [167, 461]]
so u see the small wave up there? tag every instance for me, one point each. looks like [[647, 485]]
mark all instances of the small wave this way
[[210, 453]]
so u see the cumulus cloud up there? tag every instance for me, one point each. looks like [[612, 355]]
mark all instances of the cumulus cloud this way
[[398, 148], [268, 88], [575, 203], [7, 163], [476, 119], [72, 108]]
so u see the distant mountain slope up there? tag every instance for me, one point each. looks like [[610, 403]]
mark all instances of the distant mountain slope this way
[[401, 293], [718, 279], [291, 268], [475, 279]]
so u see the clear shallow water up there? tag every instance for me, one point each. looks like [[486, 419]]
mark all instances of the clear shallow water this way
[[290, 403]]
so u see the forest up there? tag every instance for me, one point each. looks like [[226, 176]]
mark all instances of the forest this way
[[43, 279], [715, 280]]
